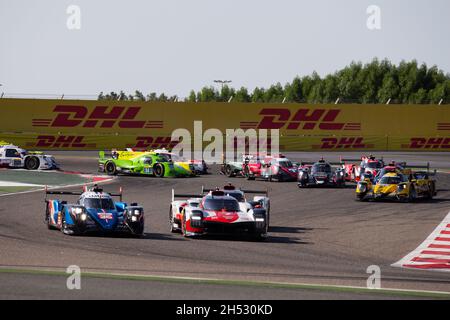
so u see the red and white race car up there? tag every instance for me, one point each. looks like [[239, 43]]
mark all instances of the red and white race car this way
[[278, 168], [356, 168], [220, 211]]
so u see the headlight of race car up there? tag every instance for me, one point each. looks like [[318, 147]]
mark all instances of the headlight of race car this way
[[362, 187], [401, 187], [134, 214], [79, 212]]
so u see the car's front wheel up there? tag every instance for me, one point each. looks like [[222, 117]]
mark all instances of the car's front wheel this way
[[111, 168], [158, 169], [171, 221], [32, 163]]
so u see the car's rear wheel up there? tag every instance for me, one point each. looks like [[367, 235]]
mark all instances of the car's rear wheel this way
[[412, 194], [48, 218], [171, 221], [229, 171], [158, 169], [111, 168], [32, 163], [183, 226]]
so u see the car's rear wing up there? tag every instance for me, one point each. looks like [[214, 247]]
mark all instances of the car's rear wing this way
[[79, 193], [263, 192], [310, 163], [350, 160], [184, 195], [426, 166]]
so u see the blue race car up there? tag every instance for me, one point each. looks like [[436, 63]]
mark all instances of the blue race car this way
[[94, 212]]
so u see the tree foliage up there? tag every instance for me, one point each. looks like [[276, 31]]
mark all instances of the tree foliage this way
[[374, 82]]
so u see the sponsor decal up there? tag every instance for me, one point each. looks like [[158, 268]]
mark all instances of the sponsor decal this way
[[302, 119], [146, 143], [70, 116], [105, 216], [428, 143], [343, 143], [443, 126], [52, 141]]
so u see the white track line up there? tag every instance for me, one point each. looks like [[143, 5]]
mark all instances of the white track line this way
[[60, 187], [433, 254]]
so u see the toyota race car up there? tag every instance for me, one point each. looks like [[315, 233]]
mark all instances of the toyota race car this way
[[397, 186], [220, 211], [12, 156], [321, 173], [95, 211]]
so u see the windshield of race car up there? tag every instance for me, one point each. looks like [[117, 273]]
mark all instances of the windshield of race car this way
[[285, 164], [390, 180], [237, 195], [105, 203], [321, 167], [163, 158], [373, 165], [212, 204]]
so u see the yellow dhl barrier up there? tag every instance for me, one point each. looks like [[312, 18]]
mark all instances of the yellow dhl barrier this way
[[91, 125]]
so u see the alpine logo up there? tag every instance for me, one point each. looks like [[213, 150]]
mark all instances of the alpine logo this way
[[69, 116], [302, 119], [105, 216]]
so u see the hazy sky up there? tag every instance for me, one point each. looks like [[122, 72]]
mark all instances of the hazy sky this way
[[173, 46]]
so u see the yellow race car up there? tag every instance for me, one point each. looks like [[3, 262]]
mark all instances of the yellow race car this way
[[397, 186]]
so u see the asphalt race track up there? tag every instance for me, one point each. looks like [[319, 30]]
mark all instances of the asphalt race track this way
[[317, 236]]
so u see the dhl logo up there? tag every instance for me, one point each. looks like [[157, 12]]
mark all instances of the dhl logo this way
[[69, 116], [428, 143], [146, 143], [343, 143], [72, 142], [303, 119]]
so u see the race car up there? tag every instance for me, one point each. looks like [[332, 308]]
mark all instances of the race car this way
[[321, 173], [277, 169], [399, 167], [220, 212], [197, 166], [241, 167], [397, 186], [12, 156], [142, 163], [355, 168], [266, 167], [94, 212]]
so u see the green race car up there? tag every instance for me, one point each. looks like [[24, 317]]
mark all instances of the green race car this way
[[142, 163]]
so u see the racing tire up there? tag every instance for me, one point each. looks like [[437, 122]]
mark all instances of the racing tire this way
[[32, 163], [228, 171], [183, 226], [111, 169], [47, 219], [412, 196], [171, 228], [158, 170], [64, 229]]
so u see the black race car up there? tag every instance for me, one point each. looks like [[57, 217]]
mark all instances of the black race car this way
[[321, 173]]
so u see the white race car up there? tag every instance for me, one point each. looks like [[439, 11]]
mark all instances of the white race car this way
[[12, 156], [220, 211]]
